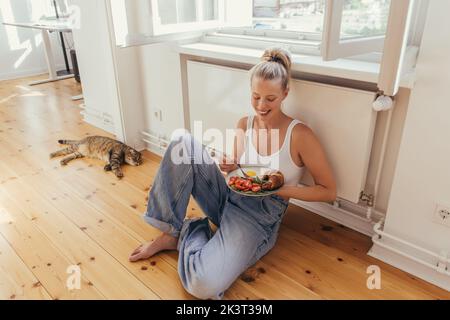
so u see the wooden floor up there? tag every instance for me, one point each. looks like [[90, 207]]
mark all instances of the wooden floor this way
[[54, 217]]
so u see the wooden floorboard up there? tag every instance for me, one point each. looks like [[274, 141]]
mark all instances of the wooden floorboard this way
[[17, 282], [46, 262], [53, 217]]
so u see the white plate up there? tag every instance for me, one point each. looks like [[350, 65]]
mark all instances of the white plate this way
[[259, 170]]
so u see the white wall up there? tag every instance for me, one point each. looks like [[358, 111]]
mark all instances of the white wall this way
[[97, 68], [422, 177], [161, 80], [131, 96], [21, 49], [110, 76]]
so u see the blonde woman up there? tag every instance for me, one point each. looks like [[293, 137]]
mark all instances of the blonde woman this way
[[247, 226]]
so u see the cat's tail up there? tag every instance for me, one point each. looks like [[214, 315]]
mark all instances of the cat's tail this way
[[68, 142]]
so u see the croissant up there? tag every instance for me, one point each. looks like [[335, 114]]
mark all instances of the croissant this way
[[275, 181]]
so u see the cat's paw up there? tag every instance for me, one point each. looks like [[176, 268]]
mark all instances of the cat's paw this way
[[107, 167], [119, 175]]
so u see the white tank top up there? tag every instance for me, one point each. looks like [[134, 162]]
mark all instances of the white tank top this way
[[280, 160]]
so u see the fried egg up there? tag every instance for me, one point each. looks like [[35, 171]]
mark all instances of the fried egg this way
[[251, 173]]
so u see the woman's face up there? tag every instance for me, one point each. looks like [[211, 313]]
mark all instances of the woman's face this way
[[267, 96]]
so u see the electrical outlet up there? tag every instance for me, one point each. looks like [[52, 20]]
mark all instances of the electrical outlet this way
[[157, 113], [442, 214]]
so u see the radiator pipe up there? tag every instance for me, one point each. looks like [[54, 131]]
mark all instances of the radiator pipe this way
[[387, 131]]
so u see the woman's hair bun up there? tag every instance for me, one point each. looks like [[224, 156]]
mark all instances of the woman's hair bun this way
[[278, 55], [275, 64]]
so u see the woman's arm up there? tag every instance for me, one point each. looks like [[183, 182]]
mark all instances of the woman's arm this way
[[228, 164], [313, 156]]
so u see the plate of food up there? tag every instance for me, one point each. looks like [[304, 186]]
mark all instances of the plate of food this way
[[260, 181]]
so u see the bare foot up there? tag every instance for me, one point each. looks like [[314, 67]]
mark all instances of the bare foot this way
[[147, 250]]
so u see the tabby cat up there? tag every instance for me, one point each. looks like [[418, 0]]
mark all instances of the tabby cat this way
[[114, 152]]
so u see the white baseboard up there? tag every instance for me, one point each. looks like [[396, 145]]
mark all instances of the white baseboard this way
[[400, 258], [348, 214], [98, 119], [158, 151]]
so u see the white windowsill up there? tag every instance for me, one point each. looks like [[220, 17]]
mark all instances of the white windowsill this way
[[342, 68]]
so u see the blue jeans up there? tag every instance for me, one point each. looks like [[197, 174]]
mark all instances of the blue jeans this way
[[209, 263]]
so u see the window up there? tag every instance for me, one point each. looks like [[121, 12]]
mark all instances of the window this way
[[301, 24], [289, 15], [354, 27], [146, 21], [172, 16], [362, 19], [331, 28], [176, 11], [300, 20]]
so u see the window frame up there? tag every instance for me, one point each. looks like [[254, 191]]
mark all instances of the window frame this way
[[397, 36], [159, 29], [333, 47], [226, 33], [241, 35]]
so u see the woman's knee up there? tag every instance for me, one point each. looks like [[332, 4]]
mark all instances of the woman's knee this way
[[206, 287], [180, 148], [181, 136], [184, 148], [206, 295]]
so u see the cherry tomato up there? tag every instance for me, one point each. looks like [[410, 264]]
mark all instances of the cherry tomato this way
[[241, 188], [247, 184], [256, 188]]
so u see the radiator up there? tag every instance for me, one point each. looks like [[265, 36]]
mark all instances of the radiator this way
[[342, 118]]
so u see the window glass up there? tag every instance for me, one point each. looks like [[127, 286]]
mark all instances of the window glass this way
[[187, 11], [364, 18], [289, 15]]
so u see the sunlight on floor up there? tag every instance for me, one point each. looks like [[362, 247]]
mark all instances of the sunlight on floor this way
[[8, 98], [23, 88], [5, 216], [34, 94], [31, 93]]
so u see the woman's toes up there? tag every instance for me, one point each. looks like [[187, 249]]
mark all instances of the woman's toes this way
[[145, 251], [137, 256], [137, 250]]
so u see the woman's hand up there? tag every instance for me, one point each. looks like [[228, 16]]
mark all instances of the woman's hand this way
[[283, 192], [226, 164]]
